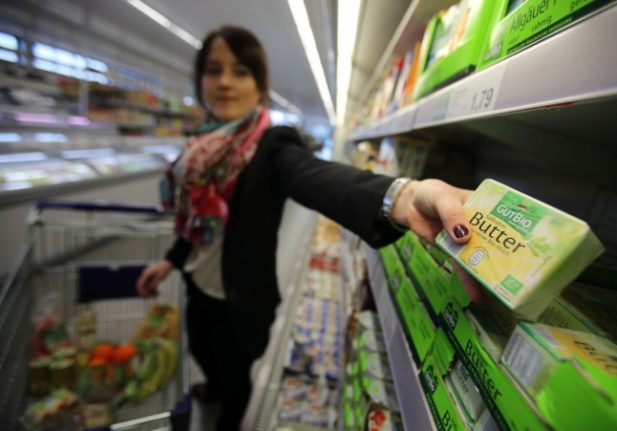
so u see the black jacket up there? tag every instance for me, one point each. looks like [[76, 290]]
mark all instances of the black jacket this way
[[283, 168]]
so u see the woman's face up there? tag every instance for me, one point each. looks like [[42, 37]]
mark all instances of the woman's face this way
[[230, 89]]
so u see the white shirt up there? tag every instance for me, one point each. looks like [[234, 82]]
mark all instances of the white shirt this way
[[205, 266]]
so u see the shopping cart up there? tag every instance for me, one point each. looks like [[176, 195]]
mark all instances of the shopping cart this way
[[92, 252]]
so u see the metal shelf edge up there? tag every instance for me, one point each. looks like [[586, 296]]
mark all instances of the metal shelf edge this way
[[415, 412], [526, 80]]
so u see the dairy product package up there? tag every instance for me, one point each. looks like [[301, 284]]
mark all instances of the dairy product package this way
[[375, 364], [596, 306], [465, 392], [383, 420], [522, 250], [380, 392], [571, 375]]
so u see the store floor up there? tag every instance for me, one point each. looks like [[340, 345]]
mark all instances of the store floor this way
[[294, 224]]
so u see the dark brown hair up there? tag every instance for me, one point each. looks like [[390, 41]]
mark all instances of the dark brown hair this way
[[246, 47]]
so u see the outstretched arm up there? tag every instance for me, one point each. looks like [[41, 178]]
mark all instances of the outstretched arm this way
[[429, 206]]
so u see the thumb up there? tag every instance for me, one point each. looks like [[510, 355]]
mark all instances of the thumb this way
[[452, 215], [145, 281]]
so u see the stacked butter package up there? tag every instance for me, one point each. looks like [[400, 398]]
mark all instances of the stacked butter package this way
[[560, 353]]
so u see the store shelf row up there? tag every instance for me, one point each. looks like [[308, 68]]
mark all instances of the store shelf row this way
[[27, 175], [33, 98], [571, 67], [415, 412]]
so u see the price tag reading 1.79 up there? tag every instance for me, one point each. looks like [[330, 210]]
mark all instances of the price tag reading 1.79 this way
[[476, 94], [482, 99]]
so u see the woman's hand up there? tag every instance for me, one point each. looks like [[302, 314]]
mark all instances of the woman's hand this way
[[429, 206], [148, 282]]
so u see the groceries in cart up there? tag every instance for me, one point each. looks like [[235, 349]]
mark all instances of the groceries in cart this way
[[82, 349], [77, 380]]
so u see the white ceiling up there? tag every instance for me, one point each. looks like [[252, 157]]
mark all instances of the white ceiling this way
[[127, 30]]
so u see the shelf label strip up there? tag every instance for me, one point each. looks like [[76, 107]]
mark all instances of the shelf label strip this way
[[476, 95]]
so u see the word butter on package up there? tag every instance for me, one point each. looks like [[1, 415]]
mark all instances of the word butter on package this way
[[524, 251]]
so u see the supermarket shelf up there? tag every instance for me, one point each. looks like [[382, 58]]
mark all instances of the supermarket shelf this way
[[415, 412], [14, 197], [25, 117], [266, 386], [122, 104], [575, 65]]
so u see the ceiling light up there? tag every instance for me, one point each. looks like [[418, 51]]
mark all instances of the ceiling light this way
[[347, 25], [27, 117], [298, 10], [165, 22], [87, 153], [284, 102], [10, 137], [22, 157], [50, 137]]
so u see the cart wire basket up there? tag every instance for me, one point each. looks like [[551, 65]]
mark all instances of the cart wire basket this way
[[87, 252]]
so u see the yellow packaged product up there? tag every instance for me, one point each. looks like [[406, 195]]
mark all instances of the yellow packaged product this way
[[522, 250]]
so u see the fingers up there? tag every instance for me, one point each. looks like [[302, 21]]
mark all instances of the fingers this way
[[450, 210], [147, 284], [471, 286], [426, 228]]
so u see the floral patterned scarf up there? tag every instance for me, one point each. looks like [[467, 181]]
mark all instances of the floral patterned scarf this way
[[200, 183]]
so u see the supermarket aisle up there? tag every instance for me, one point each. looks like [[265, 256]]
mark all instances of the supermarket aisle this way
[[296, 220]]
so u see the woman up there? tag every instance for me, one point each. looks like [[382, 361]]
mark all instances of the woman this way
[[228, 189]]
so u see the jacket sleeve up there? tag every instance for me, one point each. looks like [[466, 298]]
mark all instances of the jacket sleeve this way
[[178, 252], [347, 195]]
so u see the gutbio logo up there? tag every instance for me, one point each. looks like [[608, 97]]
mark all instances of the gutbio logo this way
[[520, 213]]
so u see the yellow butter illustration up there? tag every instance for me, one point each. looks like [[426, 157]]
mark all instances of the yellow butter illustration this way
[[524, 251]]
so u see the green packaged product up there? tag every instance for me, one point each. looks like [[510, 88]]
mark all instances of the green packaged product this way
[[465, 392], [596, 306], [516, 24], [415, 320], [380, 392], [510, 408], [375, 364], [372, 341], [571, 375], [63, 373], [440, 402], [39, 375], [452, 44]]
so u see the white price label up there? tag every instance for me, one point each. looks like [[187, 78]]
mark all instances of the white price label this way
[[433, 109], [403, 122], [477, 94]]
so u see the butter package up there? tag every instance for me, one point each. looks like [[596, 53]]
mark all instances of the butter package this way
[[479, 346], [562, 312], [416, 321], [596, 306], [452, 44], [465, 392], [571, 375], [517, 24], [522, 250], [438, 397]]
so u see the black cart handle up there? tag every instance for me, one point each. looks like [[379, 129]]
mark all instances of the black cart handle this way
[[42, 204]]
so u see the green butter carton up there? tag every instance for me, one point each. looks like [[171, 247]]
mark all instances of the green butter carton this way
[[438, 396], [432, 271], [392, 265], [596, 306], [416, 321], [571, 375], [477, 347], [517, 24], [522, 250], [452, 44]]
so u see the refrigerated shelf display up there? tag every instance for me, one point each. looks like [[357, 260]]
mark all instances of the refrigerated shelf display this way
[[40, 170]]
